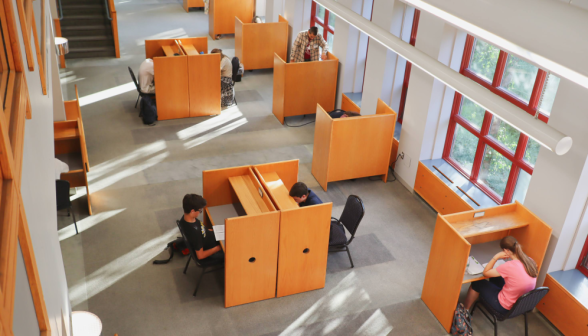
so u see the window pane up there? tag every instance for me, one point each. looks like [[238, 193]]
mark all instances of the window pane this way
[[330, 39], [464, 147], [519, 77], [522, 186], [332, 18], [552, 82], [504, 133], [472, 112], [532, 151], [320, 30], [320, 12], [495, 170], [484, 59]]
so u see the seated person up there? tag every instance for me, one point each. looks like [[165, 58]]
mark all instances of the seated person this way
[[343, 114], [201, 239], [146, 75], [305, 197], [508, 281]]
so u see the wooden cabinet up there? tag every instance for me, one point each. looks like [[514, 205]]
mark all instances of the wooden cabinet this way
[[563, 310], [435, 192]]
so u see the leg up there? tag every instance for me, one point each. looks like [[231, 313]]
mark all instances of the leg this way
[[199, 280], [188, 263], [349, 254], [471, 297], [74, 218], [474, 308], [526, 331]]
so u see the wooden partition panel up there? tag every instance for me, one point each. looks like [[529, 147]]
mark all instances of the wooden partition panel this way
[[394, 153], [256, 43], [562, 309], [534, 238], [246, 279], [304, 246], [171, 87], [287, 170], [306, 84], [348, 104], [205, 85], [279, 88], [322, 145], [222, 13], [153, 48], [437, 194], [447, 264], [216, 188], [192, 3]]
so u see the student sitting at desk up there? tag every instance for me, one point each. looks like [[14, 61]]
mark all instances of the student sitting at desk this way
[[199, 237], [306, 46], [304, 196], [343, 114], [508, 281], [146, 75], [227, 84]]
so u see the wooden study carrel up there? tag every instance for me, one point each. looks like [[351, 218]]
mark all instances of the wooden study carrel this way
[[222, 14], [272, 246], [476, 233], [353, 147], [256, 43], [186, 85]]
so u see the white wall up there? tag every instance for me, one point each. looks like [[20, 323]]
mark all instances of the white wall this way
[[297, 12], [38, 192], [273, 8], [260, 6]]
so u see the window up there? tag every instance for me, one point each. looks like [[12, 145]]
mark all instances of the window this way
[[413, 34], [486, 149], [582, 265], [324, 21]]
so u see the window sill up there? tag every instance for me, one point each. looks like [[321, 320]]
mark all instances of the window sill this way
[[574, 282]]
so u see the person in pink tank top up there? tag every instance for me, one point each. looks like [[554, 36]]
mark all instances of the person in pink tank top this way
[[508, 281]]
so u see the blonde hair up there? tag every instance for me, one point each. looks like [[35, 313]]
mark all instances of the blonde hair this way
[[218, 51], [510, 243]]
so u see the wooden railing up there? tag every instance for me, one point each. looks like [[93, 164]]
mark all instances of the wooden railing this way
[[114, 24]]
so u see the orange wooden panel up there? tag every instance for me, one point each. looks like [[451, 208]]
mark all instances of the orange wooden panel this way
[[76, 178], [308, 84], [304, 245], [322, 146], [216, 188], [65, 130], [171, 87], [249, 280], [437, 193], [256, 188], [563, 310], [192, 3], [279, 88], [348, 104], [247, 189], [190, 50], [87, 192], [445, 269], [286, 170], [278, 192], [535, 237], [71, 109], [114, 24], [205, 85], [222, 13], [57, 24], [394, 154], [168, 51], [153, 48], [256, 43]]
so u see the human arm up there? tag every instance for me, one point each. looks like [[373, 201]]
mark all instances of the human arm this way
[[202, 253], [323, 45], [295, 48], [489, 270]]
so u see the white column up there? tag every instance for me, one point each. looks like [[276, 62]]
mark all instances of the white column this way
[[273, 8], [558, 190], [260, 6], [425, 100], [297, 12], [381, 62]]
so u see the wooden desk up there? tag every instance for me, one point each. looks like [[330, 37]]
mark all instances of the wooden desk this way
[[218, 215], [256, 43], [299, 87], [187, 85], [459, 235], [70, 146], [192, 3], [222, 14], [349, 148], [281, 194]]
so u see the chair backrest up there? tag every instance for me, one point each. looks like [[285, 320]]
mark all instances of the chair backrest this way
[[62, 194], [352, 214], [134, 79], [527, 302], [192, 251], [236, 64]]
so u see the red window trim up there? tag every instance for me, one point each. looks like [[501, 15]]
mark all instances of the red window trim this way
[[315, 20], [579, 266], [408, 68], [484, 139]]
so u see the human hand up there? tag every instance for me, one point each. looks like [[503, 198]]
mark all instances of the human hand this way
[[500, 255], [324, 56]]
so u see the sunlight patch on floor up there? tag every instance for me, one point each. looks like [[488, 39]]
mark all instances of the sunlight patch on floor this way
[[225, 116], [170, 34], [216, 133], [108, 93], [86, 223]]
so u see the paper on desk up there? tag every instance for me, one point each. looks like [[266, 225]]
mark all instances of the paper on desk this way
[[219, 232], [474, 266], [498, 263]]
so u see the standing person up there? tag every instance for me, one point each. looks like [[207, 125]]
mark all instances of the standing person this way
[[508, 281], [227, 84], [146, 75], [306, 46], [202, 240]]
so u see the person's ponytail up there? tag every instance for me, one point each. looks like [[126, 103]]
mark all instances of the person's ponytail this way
[[510, 243]]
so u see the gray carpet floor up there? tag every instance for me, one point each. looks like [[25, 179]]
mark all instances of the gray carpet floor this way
[[139, 175]]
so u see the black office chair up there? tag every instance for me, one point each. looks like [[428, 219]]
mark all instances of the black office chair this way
[[236, 64], [63, 201], [524, 305], [350, 218], [141, 94], [200, 264]]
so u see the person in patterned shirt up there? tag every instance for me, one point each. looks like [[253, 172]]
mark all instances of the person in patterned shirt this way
[[306, 46]]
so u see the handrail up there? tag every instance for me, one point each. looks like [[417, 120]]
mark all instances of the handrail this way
[[60, 10], [107, 10]]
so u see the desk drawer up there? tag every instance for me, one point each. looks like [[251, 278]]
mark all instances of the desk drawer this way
[[437, 193], [563, 310]]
